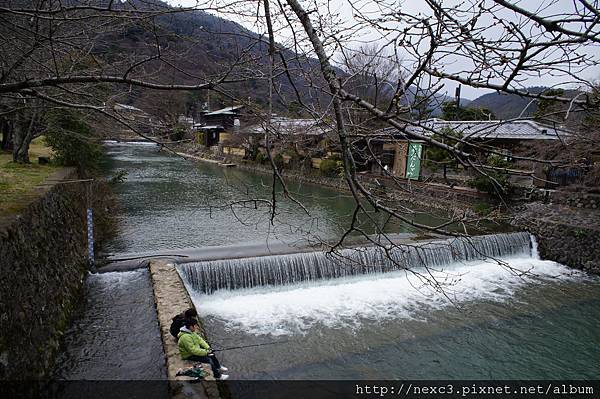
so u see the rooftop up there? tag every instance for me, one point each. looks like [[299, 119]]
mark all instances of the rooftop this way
[[208, 127], [225, 111], [496, 129], [288, 126]]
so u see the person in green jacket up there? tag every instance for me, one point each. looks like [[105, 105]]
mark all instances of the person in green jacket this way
[[193, 347]]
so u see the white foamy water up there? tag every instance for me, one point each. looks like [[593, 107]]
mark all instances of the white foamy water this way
[[349, 302]]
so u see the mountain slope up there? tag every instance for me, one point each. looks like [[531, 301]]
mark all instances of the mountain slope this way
[[507, 106]]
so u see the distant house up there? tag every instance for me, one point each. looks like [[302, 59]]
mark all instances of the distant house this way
[[392, 150], [285, 133], [137, 117], [298, 130], [401, 152], [216, 125], [509, 136], [186, 121]]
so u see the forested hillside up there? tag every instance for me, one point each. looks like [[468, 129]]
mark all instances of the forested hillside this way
[[206, 46], [506, 106]]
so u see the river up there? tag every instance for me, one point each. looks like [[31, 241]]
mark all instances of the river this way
[[171, 203], [493, 325], [489, 323]]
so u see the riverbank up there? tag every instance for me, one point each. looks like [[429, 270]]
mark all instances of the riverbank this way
[[43, 260], [44, 255], [18, 182]]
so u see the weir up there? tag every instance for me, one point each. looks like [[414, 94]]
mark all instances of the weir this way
[[208, 277]]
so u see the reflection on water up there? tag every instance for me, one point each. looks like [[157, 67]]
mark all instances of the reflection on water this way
[[173, 203]]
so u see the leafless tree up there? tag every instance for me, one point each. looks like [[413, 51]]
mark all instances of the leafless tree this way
[[53, 52], [66, 54]]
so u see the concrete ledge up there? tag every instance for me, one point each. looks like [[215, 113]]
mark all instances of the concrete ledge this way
[[197, 158], [172, 298]]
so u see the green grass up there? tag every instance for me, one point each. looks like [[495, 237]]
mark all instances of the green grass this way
[[17, 181], [483, 208]]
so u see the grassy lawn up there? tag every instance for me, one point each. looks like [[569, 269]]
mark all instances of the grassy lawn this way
[[17, 181]]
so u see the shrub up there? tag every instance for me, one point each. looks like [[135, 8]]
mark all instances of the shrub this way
[[498, 188], [278, 160], [119, 177], [331, 167], [482, 208], [72, 140], [437, 158], [178, 132], [261, 157], [295, 158]]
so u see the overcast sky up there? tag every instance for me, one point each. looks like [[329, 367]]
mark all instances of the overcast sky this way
[[415, 7]]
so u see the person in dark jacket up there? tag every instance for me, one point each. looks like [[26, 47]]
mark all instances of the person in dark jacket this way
[[179, 320], [193, 347]]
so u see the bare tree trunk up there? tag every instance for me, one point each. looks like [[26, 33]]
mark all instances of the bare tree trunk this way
[[22, 139], [7, 135]]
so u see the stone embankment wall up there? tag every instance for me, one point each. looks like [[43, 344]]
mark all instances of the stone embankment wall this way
[[42, 264], [577, 200], [567, 235]]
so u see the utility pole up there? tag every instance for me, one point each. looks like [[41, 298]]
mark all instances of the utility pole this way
[[457, 96]]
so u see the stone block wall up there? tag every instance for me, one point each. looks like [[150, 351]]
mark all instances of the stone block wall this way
[[42, 266], [571, 245], [576, 200]]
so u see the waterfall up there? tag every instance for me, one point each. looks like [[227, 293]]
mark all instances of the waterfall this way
[[208, 277]]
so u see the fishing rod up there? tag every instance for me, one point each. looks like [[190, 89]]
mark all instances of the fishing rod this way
[[251, 346]]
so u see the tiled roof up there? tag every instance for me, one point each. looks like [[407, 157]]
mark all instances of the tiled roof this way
[[286, 126], [225, 111], [519, 130], [209, 127]]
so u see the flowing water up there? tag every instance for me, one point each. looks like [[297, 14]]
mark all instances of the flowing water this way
[[461, 317], [173, 203], [104, 341], [514, 317], [208, 277], [170, 203]]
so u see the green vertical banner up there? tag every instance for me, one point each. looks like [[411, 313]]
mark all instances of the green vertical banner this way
[[413, 162]]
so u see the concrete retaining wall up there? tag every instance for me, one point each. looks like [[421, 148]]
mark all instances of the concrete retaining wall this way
[[577, 200], [572, 246]]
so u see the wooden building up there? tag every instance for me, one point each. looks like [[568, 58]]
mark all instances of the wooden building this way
[[401, 153], [215, 126]]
